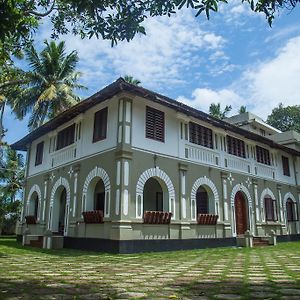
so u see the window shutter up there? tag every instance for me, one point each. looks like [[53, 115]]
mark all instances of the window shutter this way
[[236, 146], [200, 135], [286, 166], [100, 125], [155, 124], [65, 137], [39, 153]]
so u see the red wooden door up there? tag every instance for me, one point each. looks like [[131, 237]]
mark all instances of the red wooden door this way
[[240, 213]]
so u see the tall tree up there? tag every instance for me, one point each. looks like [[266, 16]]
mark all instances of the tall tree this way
[[242, 109], [11, 174], [50, 84], [216, 111], [113, 20], [285, 118], [132, 80], [11, 79]]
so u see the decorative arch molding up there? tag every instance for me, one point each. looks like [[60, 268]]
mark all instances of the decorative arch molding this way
[[156, 173], [264, 193], [97, 172], [240, 188], [60, 182], [287, 196], [203, 181], [34, 189]]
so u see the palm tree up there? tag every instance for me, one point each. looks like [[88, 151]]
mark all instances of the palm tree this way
[[51, 82], [11, 174], [215, 110], [132, 80], [242, 109]]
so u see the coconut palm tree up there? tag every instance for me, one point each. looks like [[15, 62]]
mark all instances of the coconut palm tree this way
[[242, 109], [132, 80], [51, 83], [215, 110]]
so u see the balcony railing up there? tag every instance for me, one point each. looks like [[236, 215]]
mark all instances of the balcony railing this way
[[157, 217], [264, 171], [237, 163], [92, 217], [202, 154], [64, 155], [207, 219]]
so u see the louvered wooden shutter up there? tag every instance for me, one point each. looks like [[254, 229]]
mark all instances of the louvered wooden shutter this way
[[155, 124]]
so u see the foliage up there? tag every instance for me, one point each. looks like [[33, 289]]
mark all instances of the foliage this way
[[242, 109], [11, 182], [50, 83], [215, 111], [11, 79], [132, 80], [11, 174], [285, 118], [112, 20], [9, 215]]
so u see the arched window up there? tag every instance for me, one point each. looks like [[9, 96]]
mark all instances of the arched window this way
[[270, 209], [153, 196], [202, 201], [34, 206], [99, 196], [291, 210]]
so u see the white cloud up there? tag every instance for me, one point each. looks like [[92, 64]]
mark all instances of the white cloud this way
[[202, 98], [260, 87], [170, 48]]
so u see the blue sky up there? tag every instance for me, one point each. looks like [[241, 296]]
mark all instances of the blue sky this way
[[234, 58]]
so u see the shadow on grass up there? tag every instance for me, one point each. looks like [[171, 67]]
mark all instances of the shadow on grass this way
[[13, 246], [46, 289], [235, 289]]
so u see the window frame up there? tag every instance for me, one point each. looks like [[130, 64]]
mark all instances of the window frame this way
[[270, 209], [39, 153], [101, 133], [65, 137], [292, 213], [235, 146], [200, 135], [286, 166], [156, 119], [263, 155]]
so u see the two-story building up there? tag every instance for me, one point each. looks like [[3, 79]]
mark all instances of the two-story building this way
[[130, 170]]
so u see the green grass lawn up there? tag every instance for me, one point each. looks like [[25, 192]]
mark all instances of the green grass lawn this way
[[223, 273]]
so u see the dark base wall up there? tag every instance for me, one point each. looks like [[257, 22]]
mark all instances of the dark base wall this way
[[288, 238], [135, 246]]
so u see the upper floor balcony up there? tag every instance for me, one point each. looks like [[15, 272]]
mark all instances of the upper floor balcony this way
[[225, 161]]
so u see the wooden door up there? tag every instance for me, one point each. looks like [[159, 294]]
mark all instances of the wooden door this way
[[240, 213]]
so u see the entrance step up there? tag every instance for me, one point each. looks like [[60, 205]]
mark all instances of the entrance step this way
[[260, 241], [38, 243]]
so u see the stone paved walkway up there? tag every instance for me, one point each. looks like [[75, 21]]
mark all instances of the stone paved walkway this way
[[260, 273]]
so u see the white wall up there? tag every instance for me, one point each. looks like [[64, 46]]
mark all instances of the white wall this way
[[139, 140], [84, 146]]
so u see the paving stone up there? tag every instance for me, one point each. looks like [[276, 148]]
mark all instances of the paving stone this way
[[293, 292], [227, 296], [263, 295]]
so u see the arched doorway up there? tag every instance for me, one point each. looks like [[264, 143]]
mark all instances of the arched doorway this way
[[241, 219], [34, 205], [202, 201], [59, 211], [95, 196], [155, 192]]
